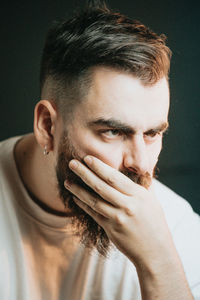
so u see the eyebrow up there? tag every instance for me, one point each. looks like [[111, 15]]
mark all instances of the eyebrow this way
[[116, 124]]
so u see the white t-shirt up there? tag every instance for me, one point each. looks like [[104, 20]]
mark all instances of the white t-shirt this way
[[41, 259]]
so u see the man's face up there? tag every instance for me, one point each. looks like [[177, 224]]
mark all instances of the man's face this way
[[121, 122]]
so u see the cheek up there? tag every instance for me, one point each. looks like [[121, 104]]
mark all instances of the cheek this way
[[108, 153], [154, 152]]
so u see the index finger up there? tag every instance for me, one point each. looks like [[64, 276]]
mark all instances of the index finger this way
[[112, 176]]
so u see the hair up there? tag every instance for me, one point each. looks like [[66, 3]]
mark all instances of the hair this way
[[96, 36]]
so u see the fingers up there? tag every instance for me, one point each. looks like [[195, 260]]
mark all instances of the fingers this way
[[113, 177], [97, 217], [94, 202], [102, 188]]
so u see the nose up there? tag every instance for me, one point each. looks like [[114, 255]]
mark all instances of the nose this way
[[135, 155]]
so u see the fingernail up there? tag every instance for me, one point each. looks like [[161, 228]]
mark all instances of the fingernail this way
[[75, 199], [66, 184], [88, 159], [73, 164]]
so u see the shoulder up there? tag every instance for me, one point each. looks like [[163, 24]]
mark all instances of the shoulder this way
[[7, 146], [184, 225], [7, 161], [175, 207]]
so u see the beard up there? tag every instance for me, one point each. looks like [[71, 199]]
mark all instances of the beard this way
[[91, 234]]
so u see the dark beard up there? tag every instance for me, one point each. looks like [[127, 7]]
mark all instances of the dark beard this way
[[91, 234]]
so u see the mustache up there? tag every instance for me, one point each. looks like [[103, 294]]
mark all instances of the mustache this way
[[141, 179]]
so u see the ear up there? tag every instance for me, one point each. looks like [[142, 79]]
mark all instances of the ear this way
[[45, 117]]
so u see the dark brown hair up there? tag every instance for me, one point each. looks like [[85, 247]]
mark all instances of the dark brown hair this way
[[94, 37]]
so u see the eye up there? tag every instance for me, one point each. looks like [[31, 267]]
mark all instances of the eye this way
[[111, 133], [152, 135]]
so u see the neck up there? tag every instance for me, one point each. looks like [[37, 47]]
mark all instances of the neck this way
[[37, 174]]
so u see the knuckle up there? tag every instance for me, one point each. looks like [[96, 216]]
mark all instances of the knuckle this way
[[97, 206], [91, 203], [94, 203], [120, 219], [110, 179], [97, 188], [128, 211]]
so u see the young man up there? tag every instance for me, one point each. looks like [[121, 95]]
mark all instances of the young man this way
[[81, 216]]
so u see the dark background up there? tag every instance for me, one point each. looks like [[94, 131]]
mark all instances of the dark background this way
[[23, 28]]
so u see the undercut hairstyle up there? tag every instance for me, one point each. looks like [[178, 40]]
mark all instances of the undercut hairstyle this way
[[97, 37]]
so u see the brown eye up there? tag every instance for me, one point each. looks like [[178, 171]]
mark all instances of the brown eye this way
[[152, 135], [112, 132]]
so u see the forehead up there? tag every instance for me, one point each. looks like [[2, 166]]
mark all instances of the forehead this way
[[121, 96]]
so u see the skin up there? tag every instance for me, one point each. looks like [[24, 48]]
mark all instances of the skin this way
[[124, 209]]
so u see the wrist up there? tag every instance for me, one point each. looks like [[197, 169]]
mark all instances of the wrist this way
[[163, 279], [162, 259]]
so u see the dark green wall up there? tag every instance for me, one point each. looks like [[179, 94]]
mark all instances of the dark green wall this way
[[23, 28]]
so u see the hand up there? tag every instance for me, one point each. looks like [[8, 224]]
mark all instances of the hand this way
[[130, 214], [134, 221]]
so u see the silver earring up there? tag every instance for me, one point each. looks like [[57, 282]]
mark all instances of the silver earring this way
[[45, 150]]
